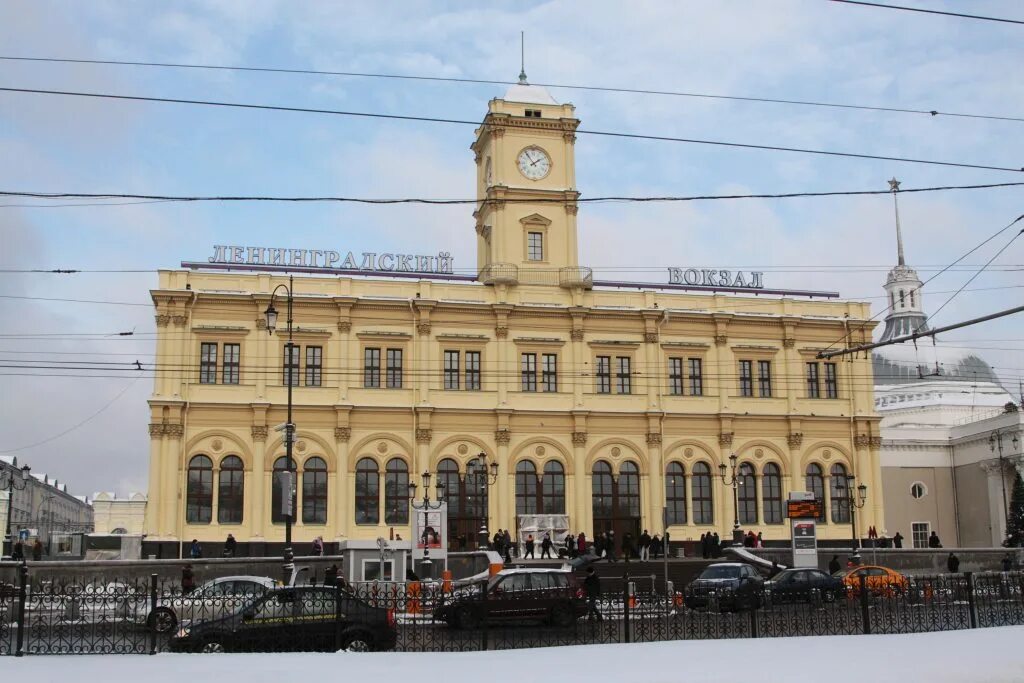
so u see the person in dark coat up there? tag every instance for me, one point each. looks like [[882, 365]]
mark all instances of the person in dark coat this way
[[655, 546], [529, 548], [609, 546], [331, 575], [716, 545], [195, 550], [188, 581], [18, 552], [507, 540], [1007, 562], [704, 546], [645, 546], [933, 541], [37, 550], [230, 544], [953, 563], [833, 565], [628, 550], [545, 546], [496, 541], [592, 588], [897, 540], [581, 543]]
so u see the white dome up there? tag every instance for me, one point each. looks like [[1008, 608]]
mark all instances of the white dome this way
[[528, 94], [900, 363]]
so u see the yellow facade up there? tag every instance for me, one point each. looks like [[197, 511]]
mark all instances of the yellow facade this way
[[531, 297]]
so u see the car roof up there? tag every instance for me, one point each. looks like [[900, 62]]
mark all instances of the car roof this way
[[265, 580], [728, 564], [532, 570]]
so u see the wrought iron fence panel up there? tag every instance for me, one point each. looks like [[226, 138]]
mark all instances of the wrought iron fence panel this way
[[8, 618], [999, 598], [810, 612]]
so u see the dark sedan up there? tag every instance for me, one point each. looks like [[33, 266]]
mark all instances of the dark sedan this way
[[294, 619], [805, 585], [729, 585], [547, 595]]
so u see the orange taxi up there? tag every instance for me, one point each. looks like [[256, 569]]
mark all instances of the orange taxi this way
[[877, 580]]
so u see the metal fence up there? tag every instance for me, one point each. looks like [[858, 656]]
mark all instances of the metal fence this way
[[47, 616]]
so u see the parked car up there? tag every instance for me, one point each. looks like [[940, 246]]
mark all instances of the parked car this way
[[880, 581], [798, 585], [547, 595], [304, 618], [212, 599], [733, 585]]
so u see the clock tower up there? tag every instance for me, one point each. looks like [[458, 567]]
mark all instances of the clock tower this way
[[526, 187]]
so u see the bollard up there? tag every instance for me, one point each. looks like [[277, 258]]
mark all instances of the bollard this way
[[152, 610], [626, 599], [337, 617], [484, 635]]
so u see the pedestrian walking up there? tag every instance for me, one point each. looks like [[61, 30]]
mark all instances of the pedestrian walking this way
[[18, 552], [704, 546], [933, 541], [230, 544], [195, 550], [318, 546], [953, 563], [507, 540], [716, 545], [1007, 562], [581, 543], [655, 546], [592, 589], [897, 540], [833, 565], [609, 546], [331, 576], [545, 546], [570, 545], [645, 546], [628, 551], [529, 547], [760, 540], [37, 551], [188, 581]]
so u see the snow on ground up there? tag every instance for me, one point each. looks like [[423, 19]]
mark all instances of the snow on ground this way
[[986, 655]]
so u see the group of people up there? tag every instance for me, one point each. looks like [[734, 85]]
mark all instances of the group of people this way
[[644, 548], [18, 551], [710, 545]]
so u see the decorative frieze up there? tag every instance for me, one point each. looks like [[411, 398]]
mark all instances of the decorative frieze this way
[[259, 432], [424, 435]]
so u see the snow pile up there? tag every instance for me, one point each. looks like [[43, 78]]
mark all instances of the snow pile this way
[[990, 655]]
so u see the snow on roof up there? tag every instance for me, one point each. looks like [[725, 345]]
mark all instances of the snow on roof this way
[[528, 94]]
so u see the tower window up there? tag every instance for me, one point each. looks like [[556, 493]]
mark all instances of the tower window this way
[[533, 113], [912, 298], [535, 246], [903, 301]]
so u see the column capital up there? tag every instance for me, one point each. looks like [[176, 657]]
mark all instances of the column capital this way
[[579, 438], [259, 432]]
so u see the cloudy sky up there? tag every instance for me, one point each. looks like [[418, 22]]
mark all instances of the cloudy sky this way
[[796, 50]]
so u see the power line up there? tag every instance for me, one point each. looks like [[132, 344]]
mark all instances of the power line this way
[[511, 124], [163, 198], [483, 81], [929, 11]]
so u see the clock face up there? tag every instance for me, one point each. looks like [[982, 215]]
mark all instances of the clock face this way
[[534, 163]]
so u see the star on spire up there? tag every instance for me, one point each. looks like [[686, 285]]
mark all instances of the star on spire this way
[[894, 185]]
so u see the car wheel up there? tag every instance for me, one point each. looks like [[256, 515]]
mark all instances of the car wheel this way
[[561, 615], [213, 646], [357, 642], [162, 620], [466, 617]]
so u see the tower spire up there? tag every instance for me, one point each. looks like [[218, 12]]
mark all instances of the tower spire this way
[[894, 187], [522, 58]]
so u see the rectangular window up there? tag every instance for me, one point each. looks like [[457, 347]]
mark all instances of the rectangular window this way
[[371, 368], [232, 363], [535, 246], [528, 370], [675, 376], [746, 378], [831, 381], [813, 387], [764, 378], [314, 366], [394, 369], [451, 370], [623, 380], [696, 377], [604, 374], [920, 532], [472, 371], [549, 372], [291, 365], [208, 363]]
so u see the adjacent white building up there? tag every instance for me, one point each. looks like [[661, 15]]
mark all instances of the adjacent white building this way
[[40, 508]]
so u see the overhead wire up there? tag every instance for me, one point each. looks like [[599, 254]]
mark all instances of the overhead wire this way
[[510, 124], [923, 10], [482, 81]]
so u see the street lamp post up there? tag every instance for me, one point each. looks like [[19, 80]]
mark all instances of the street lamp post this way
[[856, 502], [995, 442], [486, 474], [734, 482], [11, 483], [288, 485], [424, 506]]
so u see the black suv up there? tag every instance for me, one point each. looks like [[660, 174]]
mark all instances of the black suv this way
[[294, 619], [732, 585], [546, 595]]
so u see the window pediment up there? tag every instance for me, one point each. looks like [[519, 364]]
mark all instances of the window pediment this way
[[535, 219]]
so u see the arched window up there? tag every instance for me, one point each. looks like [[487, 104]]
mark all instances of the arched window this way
[[601, 495], [747, 493], [199, 495], [448, 474], [903, 301], [396, 492], [553, 489], [314, 491], [911, 298], [814, 482], [367, 492], [231, 489], [838, 484], [526, 488], [700, 494], [629, 490], [771, 493], [675, 493], [277, 491]]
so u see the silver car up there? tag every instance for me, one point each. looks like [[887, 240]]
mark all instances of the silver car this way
[[210, 600]]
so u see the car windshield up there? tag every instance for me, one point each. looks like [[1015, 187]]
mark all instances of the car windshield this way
[[721, 573]]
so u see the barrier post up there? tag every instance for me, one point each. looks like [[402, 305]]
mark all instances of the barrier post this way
[[152, 610]]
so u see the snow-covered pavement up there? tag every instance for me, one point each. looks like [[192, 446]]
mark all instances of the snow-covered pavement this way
[[978, 656]]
